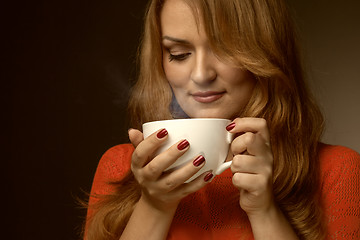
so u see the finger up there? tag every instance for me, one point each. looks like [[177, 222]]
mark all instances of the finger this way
[[251, 164], [238, 145], [135, 136], [251, 182], [254, 125], [179, 176], [146, 148], [245, 164], [157, 166], [194, 185], [250, 142]]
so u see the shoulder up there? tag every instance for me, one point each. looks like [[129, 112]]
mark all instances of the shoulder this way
[[119, 151], [112, 168], [338, 162], [340, 184], [115, 162], [330, 151], [331, 155]]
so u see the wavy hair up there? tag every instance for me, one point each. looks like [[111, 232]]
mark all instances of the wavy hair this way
[[260, 36]]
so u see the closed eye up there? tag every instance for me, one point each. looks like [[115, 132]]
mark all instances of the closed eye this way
[[178, 57]]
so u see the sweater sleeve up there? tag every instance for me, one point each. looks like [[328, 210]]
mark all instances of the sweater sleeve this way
[[341, 192]]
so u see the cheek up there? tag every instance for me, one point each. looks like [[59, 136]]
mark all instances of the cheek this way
[[240, 86], [241, 81], [176, 74], [168, 69], [238, 76]]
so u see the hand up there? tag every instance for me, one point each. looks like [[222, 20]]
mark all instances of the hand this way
[[252, 164], [163, 190]]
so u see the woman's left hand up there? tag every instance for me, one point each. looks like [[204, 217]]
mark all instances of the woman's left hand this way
[[252, 164]]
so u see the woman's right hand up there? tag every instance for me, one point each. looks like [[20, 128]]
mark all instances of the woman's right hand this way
[[161, 190]]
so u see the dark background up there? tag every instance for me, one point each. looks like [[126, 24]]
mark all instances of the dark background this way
[[67, 68]]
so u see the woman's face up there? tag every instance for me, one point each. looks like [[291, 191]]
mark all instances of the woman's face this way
[[203, 85]]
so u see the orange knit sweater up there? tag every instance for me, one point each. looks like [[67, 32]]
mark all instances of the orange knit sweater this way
[[213, 212]]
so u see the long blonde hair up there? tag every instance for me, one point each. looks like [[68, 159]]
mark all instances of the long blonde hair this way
[[258, 35]]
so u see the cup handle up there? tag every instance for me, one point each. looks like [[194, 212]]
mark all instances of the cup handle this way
[[223, 167], [230, 137]]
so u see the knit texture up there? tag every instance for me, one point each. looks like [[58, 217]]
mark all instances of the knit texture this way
[[213, 212]]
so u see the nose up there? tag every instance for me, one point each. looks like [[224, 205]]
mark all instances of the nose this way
[[204, 71]]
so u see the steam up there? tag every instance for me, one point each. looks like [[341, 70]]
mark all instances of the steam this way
[[176, 110], [118, 85]]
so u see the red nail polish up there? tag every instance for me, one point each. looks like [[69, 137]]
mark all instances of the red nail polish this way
[[162, 133], [182, 145], [208, 177], [198, 161], [230, 126]]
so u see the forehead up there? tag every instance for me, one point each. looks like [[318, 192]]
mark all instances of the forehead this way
[[177, 17]]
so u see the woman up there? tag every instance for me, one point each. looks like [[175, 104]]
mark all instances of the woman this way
[[237, 60]]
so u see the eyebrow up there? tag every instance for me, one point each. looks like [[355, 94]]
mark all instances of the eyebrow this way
[[177, 40]]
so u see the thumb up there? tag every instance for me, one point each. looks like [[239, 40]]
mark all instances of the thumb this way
[[135, 136]]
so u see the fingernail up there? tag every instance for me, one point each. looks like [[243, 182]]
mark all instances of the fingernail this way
[[162, 133], [184, 144], [230, 126], [208, 177], [198, 161]]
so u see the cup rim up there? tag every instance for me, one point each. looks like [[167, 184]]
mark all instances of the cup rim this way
[[187, 119]]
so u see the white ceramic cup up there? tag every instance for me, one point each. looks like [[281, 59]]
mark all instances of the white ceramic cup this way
[[207, 137]]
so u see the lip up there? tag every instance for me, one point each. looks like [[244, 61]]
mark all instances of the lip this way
[[207, 96]]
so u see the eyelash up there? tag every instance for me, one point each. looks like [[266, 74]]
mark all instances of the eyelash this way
[[178, 57]]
